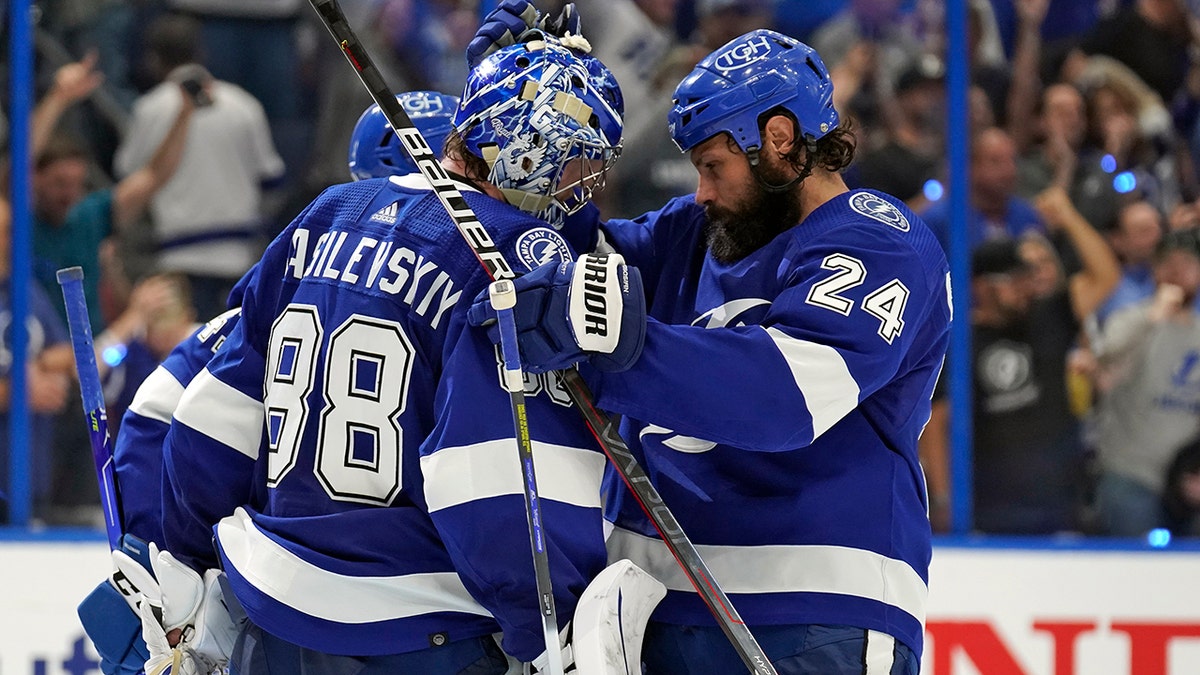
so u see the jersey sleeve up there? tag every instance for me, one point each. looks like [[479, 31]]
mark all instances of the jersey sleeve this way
[[138, 449], [210, 450], [473, 488], [838, 330]]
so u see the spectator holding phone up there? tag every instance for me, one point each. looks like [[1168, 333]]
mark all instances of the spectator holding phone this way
[[208, 217]]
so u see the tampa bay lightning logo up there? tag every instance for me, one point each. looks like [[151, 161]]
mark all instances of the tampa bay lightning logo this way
[[743, 54], [542, 245], [879, 209], [740, 312], [676, 442]]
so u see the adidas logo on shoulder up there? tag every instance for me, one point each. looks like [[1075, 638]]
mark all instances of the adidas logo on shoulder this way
[[387, 214]]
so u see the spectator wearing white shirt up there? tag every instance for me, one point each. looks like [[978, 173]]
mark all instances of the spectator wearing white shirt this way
[[208, 217]]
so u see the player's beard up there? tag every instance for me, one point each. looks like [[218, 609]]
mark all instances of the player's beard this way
[[754, 220]]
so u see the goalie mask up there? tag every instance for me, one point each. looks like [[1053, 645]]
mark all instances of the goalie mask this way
[[732, 87], [376, 152], [531, 109]]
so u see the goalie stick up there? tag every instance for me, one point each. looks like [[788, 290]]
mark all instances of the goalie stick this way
[[503, 298], [600, 424], [71, 281]]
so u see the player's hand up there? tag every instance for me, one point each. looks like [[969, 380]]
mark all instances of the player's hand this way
[[592, 308], [566, 23], [185, 622], [501, 28], [509, 23]]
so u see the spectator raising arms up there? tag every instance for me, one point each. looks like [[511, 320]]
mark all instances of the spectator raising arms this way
[[1028, 453], [69, 221]]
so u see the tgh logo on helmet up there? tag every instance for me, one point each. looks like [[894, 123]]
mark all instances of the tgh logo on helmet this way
[[742, 55]]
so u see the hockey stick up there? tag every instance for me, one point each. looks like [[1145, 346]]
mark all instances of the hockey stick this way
[[601, 426], [71, 281], [503, 298]]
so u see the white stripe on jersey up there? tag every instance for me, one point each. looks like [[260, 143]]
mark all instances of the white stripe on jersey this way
[[418, 181], [462, 474], [307, 588], [222, 413], [158, 396], [881, 653], [821, 374], [783, 569]]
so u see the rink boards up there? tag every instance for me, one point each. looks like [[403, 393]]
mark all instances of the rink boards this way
[[1000, 608]]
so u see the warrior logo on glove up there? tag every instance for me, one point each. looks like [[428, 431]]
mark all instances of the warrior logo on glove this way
[[590, 309]]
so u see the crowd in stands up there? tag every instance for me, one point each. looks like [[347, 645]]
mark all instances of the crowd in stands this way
[[173, 138]]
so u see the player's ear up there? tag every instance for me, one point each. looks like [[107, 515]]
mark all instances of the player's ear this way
[[780, 134]]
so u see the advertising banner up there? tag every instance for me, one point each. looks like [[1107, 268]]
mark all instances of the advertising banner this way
[[991, 611]]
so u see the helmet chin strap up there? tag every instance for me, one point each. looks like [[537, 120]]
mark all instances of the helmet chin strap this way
[[752, 155]]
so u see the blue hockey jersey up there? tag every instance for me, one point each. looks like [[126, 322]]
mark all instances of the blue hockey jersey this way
[[138, 448], [353, 389], [777, 406]]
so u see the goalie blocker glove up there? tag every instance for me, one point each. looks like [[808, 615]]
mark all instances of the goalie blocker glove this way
[[592, 308], [109, 614], [509, 23]]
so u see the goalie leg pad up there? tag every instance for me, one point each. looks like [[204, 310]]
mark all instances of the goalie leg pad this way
[[610, 620]]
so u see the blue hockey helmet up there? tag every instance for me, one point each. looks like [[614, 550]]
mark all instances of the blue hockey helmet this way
[[730, 88], [530, 109], [375, 152]]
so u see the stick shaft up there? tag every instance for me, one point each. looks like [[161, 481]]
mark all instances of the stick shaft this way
[[503, 297], [71, 281]]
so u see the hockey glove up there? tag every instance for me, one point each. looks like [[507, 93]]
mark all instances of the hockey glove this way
[[184, 601], [510, 23], [592, 308], [109, 613]]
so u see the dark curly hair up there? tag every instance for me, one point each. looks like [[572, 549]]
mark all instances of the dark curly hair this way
[[835, 150]]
